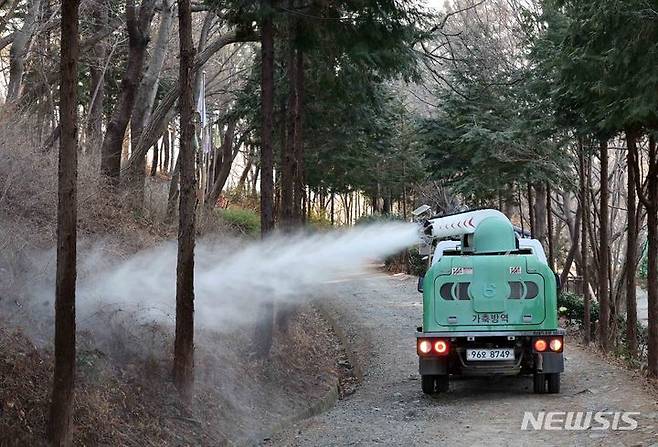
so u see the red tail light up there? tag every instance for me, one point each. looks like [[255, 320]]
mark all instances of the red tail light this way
[[441, 347], [556, 344], [540, 345], [424, 346], [429, 346]]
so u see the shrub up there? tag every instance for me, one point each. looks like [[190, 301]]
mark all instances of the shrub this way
[[572, 306], [241, 198], [242, 220], [408, 261], [622, 341], [319, 220], [417, 265], [378, 218]]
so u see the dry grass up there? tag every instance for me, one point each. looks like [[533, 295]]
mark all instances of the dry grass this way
[[28, 200], [125, 397], [28, 188]]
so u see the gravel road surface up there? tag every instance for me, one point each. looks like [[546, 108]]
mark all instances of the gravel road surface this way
[[379, 314]]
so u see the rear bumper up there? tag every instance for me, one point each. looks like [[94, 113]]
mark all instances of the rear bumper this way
[[531, 333], [525, 361]]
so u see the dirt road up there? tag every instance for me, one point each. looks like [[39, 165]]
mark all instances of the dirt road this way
[[379, 315]]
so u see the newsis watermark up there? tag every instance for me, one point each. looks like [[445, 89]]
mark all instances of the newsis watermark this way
[[580, 420]]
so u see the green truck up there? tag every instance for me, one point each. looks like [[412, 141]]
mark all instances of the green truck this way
[[489, 304]]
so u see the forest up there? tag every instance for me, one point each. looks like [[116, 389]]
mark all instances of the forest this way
[[125, 124]]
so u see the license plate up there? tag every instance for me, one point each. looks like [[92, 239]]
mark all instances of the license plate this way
[[489, 354]]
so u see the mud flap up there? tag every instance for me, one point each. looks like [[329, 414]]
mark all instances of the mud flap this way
[[434, 366], [549, 362]]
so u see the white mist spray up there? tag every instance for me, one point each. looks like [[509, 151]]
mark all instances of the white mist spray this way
[[232, 279]]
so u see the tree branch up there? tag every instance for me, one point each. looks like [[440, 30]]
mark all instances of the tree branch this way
[[163, 114]]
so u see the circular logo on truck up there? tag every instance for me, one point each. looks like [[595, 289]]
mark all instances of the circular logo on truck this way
[[489, 290]]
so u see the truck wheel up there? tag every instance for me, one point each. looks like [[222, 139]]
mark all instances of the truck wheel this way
[[428, 384], [539, 383], [443, 383], [553, 383]]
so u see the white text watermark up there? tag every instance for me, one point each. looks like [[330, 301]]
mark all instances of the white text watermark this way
[[580, 420]]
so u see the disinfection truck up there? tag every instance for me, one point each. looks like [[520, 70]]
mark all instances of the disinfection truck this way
[[489, 303]]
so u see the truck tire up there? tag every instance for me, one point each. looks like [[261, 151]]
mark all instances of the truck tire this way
[[553, 383], [443, 383], [428, 384], [539, 383]]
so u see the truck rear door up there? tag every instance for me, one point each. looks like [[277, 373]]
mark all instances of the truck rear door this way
[[489, 291]]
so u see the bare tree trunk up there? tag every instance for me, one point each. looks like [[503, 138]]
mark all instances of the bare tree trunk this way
[[59, 426], [549, 217], [333, 218], [604, 293], [166, 150], [267, 97], [224, 166], [294, 211], [289, 195], [184, 342], [264, 329], [280, 121], [386, 207], [376, 204], [255, 179], [631, 245], [173, 192], [348, 210], [201, 46], [520, 199], [138, 38], [148, 87], [651, 205], [508, 200], [202, 170], [539, 224], [52, 139], [574, 246], [309, 203], [587, 324], [300, 172], [20, 48], [531, 212], [247, 168], [94, 130], [288, 161], [154, 164], [144, 101]]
